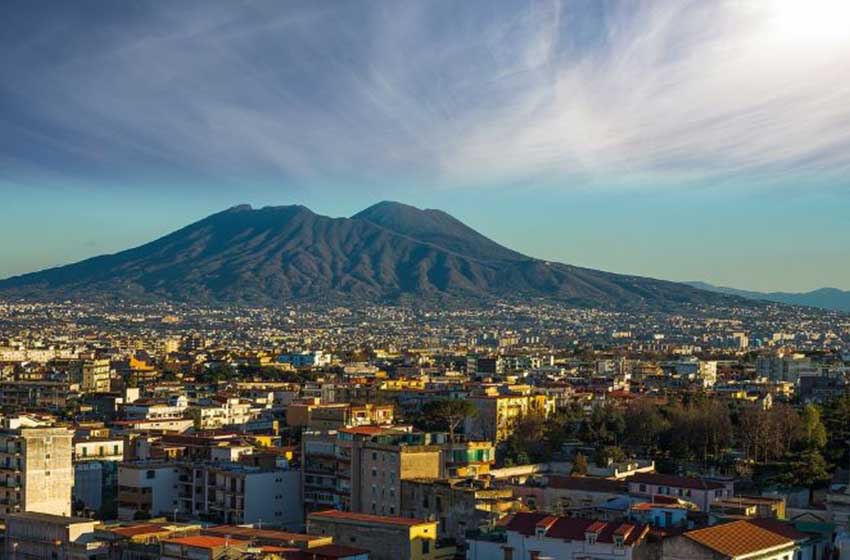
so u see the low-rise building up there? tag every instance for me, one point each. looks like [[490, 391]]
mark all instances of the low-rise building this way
[[386, 537], [763, 539], [698, 491], [458, 506], [540, 535], [42, 535]]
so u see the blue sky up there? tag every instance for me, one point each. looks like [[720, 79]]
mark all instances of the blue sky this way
[[685, 140]]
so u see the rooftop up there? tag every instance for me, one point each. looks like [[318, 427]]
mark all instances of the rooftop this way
[[207, 542], [367, 518], [740, 538]]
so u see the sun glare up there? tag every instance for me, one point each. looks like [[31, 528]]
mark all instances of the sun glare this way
[[822, 23]]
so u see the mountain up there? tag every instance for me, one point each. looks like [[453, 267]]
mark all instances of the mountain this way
[[388, 252], [824, 298]]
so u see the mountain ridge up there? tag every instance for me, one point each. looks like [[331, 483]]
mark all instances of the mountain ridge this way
[[833, 299], [387, 252]]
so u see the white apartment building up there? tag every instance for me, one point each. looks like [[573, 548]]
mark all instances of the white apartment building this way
[[230, 493]]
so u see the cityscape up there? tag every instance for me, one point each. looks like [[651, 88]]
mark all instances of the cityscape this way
[[538, 355]]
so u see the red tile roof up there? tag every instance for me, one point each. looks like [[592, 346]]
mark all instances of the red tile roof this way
[[779, 527], [574, 529], [136, 530], [207, 542], [674, 481], [366, 518], [738, 538], [252, 533], [587, 484], [329, 551]]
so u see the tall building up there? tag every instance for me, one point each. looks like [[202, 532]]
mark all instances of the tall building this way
[[360, 468], [786, 367], [95, 378], [35, 467]]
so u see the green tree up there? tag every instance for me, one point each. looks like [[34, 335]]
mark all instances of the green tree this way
[[448, 414], [810, 469], [608, 454], [644, 424], [836, 418], [813, 430]]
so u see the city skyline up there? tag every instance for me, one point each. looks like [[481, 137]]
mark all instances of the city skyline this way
[[630, 138]]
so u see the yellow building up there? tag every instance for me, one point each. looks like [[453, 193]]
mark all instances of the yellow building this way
[[497, 415], [386, 538]]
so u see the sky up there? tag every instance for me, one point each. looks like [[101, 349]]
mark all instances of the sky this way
[[686, 140]]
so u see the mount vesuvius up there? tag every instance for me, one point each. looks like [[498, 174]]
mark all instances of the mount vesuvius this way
[[388, 252]]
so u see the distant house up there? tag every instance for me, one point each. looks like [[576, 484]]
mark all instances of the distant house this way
[[533, 536], [765, 539], [695, 490]]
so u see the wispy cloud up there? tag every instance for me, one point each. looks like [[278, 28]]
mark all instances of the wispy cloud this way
[[450, 93]]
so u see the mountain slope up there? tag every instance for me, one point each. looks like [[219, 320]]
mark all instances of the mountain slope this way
[[387, 252], [824, 298]]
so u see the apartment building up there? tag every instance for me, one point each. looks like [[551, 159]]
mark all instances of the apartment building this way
[[96, 472], [36, 473], [173, 408], [228, 493], [96, 376], [218, 412], [342, 467], [384, 465], [314, 415], [36, 395], [497, 415]]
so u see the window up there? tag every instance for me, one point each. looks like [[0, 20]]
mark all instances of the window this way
[[150, 474], [426, 546], [618, 541]]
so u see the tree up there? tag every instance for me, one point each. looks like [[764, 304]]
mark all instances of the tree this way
[[448, 413], [813, 430], [644, 424], [579, 465], [528, 440], [836, 418], [604, 426], [607, 455], [810, 469]]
